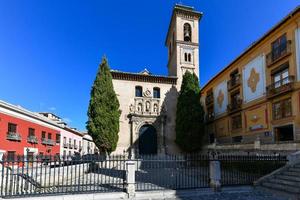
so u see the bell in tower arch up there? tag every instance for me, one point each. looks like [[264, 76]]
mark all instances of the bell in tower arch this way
[[187, 32]]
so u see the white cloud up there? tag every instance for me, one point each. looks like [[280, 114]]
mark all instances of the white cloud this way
[[67, 120], [52, 108]]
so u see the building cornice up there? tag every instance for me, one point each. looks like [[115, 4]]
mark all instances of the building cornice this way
[[117, 75]]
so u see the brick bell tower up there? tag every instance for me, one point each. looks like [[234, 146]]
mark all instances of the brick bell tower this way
[[182, 42]]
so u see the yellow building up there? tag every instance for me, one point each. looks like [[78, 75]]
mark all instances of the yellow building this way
[[254, 101]]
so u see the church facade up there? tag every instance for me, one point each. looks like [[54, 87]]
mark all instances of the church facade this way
[[148, 101]]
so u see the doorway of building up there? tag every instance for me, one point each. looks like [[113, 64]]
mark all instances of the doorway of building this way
[[284, 133], [147, 140]]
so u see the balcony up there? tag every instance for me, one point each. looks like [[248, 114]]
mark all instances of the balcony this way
[[70, 146], [49, 142], [66, 145], [234, 82], [235, 105], [210, 117], [209, 99], [283, 51], [13, 136], [32, 139], [281, 87]]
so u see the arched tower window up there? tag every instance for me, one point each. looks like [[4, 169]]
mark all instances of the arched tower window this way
[[189, 57], [187, 32], [138, 91], [156, 92]]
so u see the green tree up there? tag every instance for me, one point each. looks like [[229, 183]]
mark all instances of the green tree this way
[[103, 112], [189, 115]]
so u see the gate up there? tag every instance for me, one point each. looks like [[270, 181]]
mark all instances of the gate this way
[[54, 175], [156, 172]]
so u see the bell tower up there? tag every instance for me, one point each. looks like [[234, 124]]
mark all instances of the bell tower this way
[[182, 42]]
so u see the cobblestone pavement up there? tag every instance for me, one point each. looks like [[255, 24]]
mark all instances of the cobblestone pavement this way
[[249, 195]]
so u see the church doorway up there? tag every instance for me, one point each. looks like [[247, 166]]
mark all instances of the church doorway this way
[[147, 140]]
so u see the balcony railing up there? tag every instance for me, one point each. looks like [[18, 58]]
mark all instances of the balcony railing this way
[[280, 87], [70, 146], [235, 105], [210, 117], [13, 136], [209, 99], [48, 141], [234, 82], [32, 139], [283, 50], [66, 145]]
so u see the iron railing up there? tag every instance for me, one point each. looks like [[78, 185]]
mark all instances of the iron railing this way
[[52, 175], [65, 145], [13, 136], [209, 99], [48, 141], [32, 139], [282, 86], [245, 169], [234, 81], [235, 105], [156, 172], [22, 176]]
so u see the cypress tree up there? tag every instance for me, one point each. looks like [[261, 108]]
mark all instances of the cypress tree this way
[[103, 112], [189, 115]]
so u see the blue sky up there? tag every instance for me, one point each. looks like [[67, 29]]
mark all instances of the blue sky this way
[[50, 49]]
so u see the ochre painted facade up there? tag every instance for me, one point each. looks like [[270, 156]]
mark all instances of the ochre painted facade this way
[[263, 91]]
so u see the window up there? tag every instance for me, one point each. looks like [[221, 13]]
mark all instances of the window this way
[[70, 141], [282, 109], [57, 138], [156, 92], [187, 57], [65, 140], [187, 32], [31, 132], [43, 134], [74, 142], [280, 77], [279, 47], [236, 122], [138, 91], [12, 128], [49, 136], [11, 155]]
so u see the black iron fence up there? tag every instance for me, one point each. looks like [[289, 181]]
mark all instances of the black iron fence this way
[[36, 176], [24, 176], [245, 169], [172, 172]]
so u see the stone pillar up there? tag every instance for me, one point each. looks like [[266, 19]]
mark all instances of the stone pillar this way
[[257, 143], [130, 178], [215, 175], [162, 135]]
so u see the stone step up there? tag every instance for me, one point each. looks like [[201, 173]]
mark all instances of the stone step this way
[[285, 182], [281, 187], [294, 169], [290, 173], [286, 177]]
